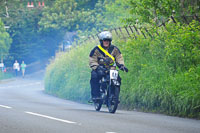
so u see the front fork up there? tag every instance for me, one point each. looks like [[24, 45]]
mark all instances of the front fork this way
[[111, 88]]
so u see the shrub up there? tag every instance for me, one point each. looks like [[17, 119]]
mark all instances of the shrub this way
[[164, 72]]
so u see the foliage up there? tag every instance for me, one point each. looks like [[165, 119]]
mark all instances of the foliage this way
[[84, 16], [157, 11], [67, 76], [5, 41], [26, 41], [28, 44], [37, 32], [163, 73]]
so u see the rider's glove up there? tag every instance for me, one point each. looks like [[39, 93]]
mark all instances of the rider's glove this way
[[100, 70], [122, 67]]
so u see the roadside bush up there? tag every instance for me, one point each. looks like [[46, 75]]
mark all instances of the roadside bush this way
[[68, 75], [164, 72]]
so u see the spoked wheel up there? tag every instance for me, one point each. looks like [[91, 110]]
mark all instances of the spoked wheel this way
[[97, 105], [113, 100]]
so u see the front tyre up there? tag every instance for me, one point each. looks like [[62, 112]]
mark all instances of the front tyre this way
[[97, 105], [113, 99]]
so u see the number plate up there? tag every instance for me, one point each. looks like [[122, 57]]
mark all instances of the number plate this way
[[113, 74]]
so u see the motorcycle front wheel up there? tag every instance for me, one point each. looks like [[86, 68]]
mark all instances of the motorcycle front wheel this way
[[113, 99], [97, 105]]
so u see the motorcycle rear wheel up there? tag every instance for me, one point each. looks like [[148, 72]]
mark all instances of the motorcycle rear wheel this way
[[113, 100]]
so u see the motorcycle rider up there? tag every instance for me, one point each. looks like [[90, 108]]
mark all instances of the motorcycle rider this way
[[106, 55]]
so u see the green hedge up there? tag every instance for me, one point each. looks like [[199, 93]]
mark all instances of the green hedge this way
[[164, 72], [69, 74]]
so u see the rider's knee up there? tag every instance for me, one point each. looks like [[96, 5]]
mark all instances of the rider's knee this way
[[94, 75]]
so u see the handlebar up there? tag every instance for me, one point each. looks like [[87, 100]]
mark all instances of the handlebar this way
[[120, 68], [124, 69]]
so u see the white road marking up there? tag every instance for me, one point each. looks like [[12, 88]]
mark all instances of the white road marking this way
[[3, 106], [111, 132], [52, 118]]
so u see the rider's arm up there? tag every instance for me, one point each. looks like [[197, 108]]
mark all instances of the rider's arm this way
[[118, 56], [93, 60]]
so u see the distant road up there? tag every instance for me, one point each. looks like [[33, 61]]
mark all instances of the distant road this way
[[25, 108]]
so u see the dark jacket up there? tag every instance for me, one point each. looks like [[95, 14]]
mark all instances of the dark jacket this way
[[96, 55]]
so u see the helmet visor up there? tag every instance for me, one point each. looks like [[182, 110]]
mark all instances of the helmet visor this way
[[106, 39]]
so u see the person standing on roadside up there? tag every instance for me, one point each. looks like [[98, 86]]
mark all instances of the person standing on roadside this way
[[16, 67], [23, 68]]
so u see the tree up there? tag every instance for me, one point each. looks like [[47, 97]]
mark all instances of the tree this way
[[154, 10], [66, 16], [24, 29], [5, 41], [37, 32]]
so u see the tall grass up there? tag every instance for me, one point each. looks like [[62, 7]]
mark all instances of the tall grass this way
[[69, 74], [164, 72]]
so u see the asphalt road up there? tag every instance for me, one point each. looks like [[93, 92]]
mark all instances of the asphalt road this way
[[25, 108]]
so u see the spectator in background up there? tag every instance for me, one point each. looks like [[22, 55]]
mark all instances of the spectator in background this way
[[23, 67], [16, 67], [2, 66]]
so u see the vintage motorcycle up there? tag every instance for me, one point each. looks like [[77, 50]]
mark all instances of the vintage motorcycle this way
[[109, 90]]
